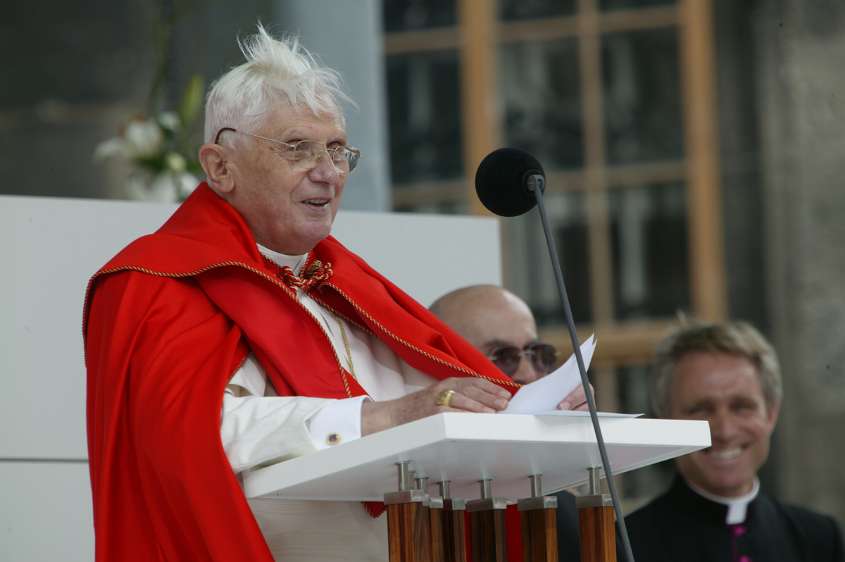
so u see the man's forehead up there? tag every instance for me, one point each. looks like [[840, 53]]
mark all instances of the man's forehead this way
[[286, 119], [716, 375]]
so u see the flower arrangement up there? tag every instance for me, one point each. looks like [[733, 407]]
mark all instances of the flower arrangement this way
[[159, 150]]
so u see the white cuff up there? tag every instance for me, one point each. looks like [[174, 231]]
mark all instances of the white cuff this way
[[336, 422]]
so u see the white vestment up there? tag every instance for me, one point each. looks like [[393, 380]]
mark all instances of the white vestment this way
[[259, 427]]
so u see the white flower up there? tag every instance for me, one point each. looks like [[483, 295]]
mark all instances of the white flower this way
[[169, 120], [174, 162], [106, 149], [187, 183], [164, 187], [143, 139]]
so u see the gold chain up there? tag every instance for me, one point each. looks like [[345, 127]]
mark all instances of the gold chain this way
[[346, 346]]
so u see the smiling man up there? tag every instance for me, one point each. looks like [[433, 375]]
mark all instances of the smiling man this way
[[727, 374], [242, 334]]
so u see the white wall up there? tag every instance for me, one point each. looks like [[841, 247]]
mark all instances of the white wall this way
[[49, 248]]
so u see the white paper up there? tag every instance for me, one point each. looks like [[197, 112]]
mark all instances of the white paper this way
[[544, 394], [585, 414]]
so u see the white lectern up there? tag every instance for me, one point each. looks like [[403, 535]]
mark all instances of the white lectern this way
[[511, 456]]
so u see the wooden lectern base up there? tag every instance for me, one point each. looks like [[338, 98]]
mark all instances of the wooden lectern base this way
[[408, 528], [487, 529], [598, 533], [539, 535], [448, 541]]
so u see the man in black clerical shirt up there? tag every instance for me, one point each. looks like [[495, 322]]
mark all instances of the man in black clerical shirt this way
[[727, 374], [502, 326]]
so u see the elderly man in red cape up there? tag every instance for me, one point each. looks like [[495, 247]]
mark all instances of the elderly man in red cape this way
[[241, 334]]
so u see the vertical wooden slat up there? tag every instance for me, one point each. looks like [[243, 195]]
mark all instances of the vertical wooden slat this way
[[597, 537], [601, 267], [488, 536], [438, 542], [479, 102], [539, 535], [408, 532], [707, 270], [607, 389]]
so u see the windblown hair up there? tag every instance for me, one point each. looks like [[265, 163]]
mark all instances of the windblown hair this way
[[734, 338], [275, 71]]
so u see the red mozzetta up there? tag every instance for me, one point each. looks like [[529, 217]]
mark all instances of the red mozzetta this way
[[167, 322]]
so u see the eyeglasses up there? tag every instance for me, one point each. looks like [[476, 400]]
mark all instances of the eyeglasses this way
[[305, 154], [543, 357]]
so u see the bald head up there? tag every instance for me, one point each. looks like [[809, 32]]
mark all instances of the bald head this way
[[490, 317]]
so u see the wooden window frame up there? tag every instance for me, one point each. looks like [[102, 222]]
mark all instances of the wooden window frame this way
[[477, 38]]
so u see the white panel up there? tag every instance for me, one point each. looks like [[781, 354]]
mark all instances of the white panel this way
[[46, 513], [426, 255], [465, 448], [49, 247]]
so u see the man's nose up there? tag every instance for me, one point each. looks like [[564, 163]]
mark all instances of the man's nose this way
[[723, 426], [324, 168], [526, 373]]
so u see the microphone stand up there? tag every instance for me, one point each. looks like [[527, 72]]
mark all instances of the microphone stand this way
[[536, 184]]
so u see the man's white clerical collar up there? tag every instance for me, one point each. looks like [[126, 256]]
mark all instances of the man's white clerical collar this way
[[282, 260], [737, 507]]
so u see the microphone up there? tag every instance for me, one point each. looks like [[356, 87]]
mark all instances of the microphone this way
[[502, 179], [510, 182]]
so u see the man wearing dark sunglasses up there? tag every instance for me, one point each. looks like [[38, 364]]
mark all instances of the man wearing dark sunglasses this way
[[502, 326]]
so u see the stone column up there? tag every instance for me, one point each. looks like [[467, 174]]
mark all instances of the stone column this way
[[347, 36], [800, 55]]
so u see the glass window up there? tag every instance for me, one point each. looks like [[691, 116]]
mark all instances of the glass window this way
[[650, 251], [529, 270], [641, 485], [511, 10], [622, 4], [641, 96], [437, 208], [424, 113], [406, 15], [540, 86]]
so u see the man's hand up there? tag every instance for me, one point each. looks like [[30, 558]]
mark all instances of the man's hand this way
[[471, 394], [575, 400]]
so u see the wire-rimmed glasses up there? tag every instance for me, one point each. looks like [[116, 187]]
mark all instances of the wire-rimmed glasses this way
[[306, 153]]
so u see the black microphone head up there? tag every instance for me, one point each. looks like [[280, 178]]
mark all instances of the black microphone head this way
[[501, 181]]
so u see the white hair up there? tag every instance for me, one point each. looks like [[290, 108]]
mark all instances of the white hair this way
[[275, 71]]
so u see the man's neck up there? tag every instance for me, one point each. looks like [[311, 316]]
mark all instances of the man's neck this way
[[737, 505], [282, 260]]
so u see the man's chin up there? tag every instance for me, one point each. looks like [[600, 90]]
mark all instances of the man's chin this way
[[727, 486]]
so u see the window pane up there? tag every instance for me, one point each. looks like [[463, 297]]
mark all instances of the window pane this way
[[541, 90], [617, 4], [531, 9], [650, 251], [405, 15], [528, 269], [440, 208], [424, 112], [642, 99], [639, 486]]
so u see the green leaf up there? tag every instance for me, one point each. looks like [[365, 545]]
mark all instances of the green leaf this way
[[191, 100]]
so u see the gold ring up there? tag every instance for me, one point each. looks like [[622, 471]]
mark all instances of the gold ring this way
[[445, 398]]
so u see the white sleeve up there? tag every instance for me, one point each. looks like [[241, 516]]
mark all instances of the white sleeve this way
[[257, 429]]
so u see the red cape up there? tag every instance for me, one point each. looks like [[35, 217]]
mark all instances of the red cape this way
[[166, 324]]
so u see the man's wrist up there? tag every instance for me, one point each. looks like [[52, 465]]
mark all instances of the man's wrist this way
[[375, 416]]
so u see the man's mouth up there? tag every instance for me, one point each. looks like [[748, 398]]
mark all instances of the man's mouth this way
[[317, 202], [724, 454]]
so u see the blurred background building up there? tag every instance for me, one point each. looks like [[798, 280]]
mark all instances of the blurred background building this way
[[694, 152]]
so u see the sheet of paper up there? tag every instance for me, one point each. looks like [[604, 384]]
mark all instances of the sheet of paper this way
[[583, 414], [543, 395]]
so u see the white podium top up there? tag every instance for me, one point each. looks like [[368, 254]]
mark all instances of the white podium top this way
[[465, 448]]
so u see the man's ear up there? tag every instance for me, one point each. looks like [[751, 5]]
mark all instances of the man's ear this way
[[772, 412], [216, 166]]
